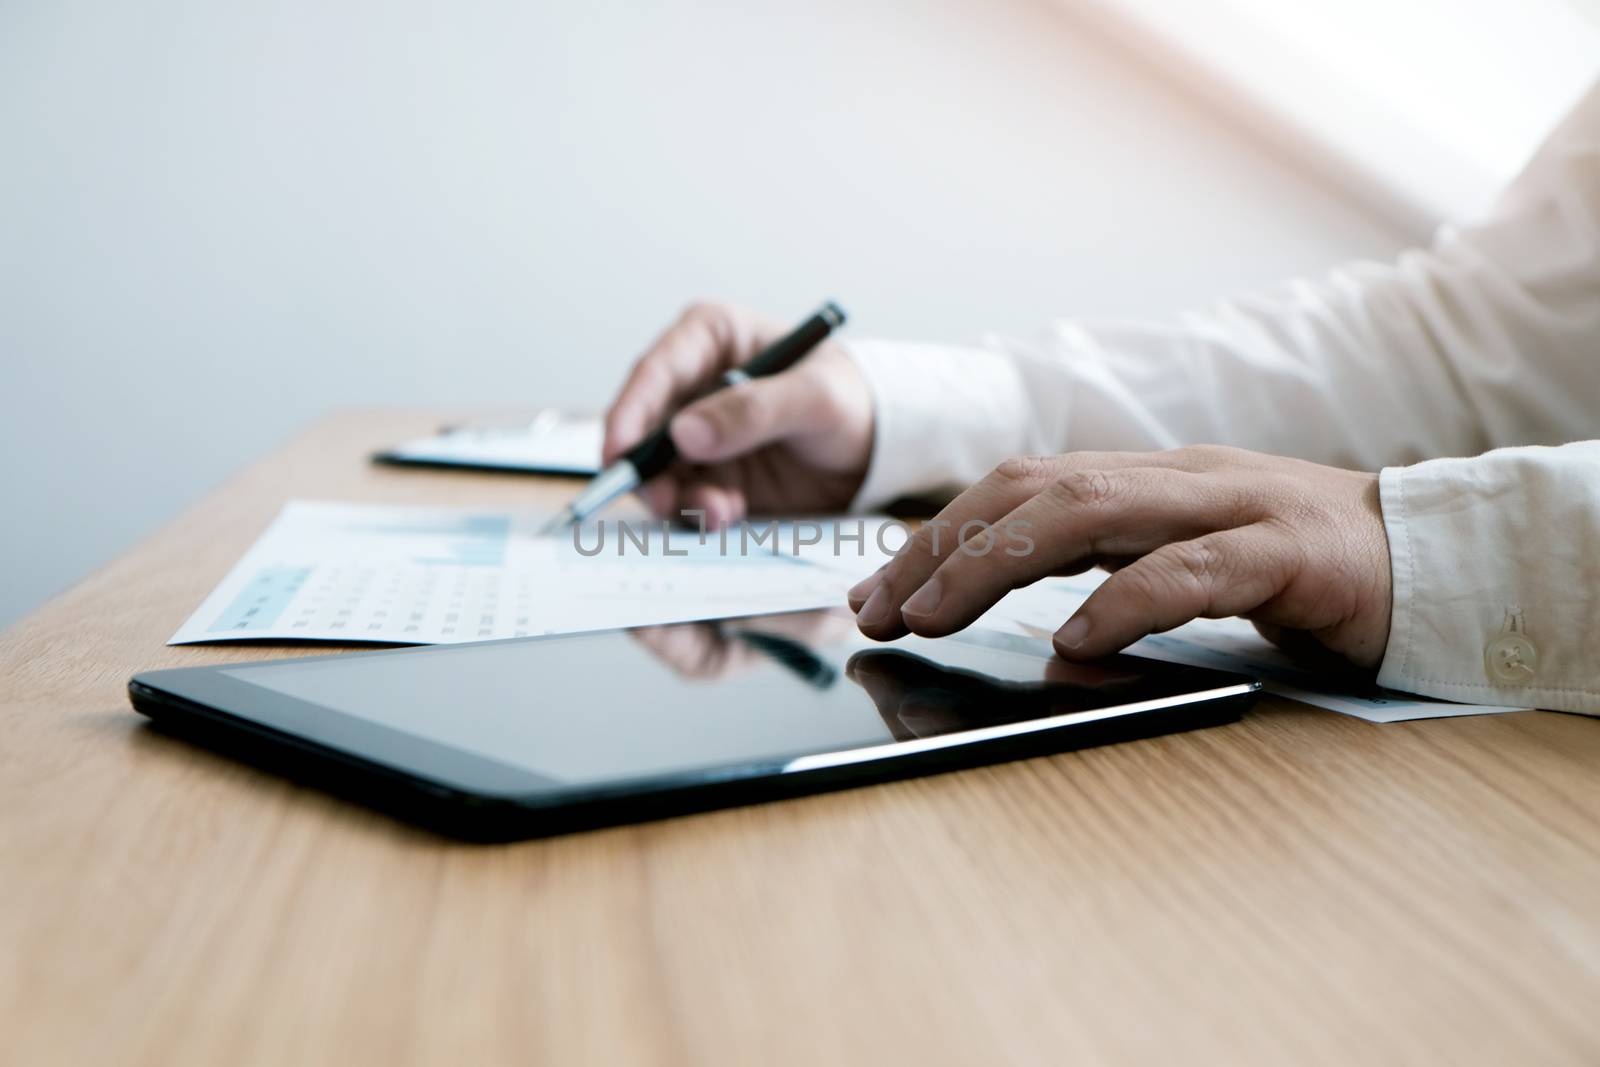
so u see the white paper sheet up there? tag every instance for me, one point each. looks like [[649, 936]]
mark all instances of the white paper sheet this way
[[550, 442], [1226, 644], [344, 572]]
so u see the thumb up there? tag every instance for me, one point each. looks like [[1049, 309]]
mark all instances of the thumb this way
[[742, 418]]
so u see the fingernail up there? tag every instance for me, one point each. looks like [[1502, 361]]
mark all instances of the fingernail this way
[[876, 609], [924, 601], [861, 590], [694, 434], [1072, 635]]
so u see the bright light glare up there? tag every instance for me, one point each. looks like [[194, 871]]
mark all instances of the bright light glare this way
[[1442, 100], [1485, 77]]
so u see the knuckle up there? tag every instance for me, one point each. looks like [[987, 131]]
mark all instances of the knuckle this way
[[1136, 584], [1194, 563], [1085, 489], [708, 324], [1025, 470]]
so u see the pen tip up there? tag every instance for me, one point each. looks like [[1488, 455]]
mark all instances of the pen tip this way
[[833, 314]]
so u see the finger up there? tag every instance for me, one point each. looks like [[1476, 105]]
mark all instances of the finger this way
[[742, 418], [1215, 576], [1081, 515], [1007, 486], [859, 593], [687, 357]]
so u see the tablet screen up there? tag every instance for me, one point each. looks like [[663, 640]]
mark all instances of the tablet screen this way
[[624, 704]]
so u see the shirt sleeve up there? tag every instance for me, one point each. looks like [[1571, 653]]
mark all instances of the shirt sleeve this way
[[1496, 565], [1488, 338]]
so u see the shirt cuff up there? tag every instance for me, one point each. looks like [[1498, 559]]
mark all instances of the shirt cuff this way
[[943, 417], [1495, 578]]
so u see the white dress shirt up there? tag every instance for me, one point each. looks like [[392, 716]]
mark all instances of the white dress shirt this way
[[1490, 339]]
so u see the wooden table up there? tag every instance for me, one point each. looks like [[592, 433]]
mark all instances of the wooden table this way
[[1299, 887]]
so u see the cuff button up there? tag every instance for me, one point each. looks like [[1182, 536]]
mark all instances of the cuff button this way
[[1510, 658]]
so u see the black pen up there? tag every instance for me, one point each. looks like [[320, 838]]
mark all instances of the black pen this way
[[655, 453]]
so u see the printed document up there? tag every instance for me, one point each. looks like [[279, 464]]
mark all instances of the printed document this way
[[413, 575]]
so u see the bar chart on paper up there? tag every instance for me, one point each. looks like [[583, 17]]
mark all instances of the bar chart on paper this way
[[343, 572]]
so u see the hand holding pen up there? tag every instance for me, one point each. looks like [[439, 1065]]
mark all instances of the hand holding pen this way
[[791, 440]]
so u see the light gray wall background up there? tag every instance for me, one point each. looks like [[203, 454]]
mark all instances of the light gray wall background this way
[[220, 220]]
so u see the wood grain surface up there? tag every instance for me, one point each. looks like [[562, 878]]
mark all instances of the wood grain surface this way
[[1296, 888]]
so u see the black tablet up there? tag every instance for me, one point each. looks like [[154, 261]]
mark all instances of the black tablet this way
[[535, 736]]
